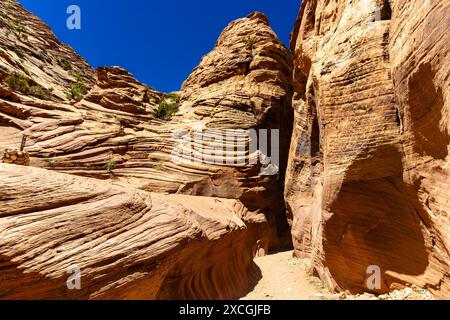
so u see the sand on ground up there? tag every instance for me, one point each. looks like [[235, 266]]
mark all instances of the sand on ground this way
[[283, 277]]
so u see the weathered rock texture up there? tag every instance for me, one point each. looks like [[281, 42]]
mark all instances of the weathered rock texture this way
[[27, 45], [14, 156], [369, 172], [127, 243], [102, 124], [245, 82]]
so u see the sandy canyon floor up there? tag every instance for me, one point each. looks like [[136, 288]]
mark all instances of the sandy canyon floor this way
[[281, 277]]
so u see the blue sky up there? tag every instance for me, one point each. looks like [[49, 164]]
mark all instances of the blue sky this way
[[159, 42]]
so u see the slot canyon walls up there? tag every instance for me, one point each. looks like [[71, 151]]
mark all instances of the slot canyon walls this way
[[368, 176]]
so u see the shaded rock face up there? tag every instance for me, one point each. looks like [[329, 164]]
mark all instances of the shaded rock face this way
[[368, 175], [106, 169]]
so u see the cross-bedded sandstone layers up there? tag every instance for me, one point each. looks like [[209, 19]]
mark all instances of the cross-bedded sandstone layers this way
[[369, 169], [127, 243], [16, 157], [244, 83]]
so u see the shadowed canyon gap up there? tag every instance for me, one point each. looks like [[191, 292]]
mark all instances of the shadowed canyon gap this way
[[362, 104]]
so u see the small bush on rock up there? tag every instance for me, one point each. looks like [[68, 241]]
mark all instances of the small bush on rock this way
[[168, 106], [18, 82], [66, 65], [110, 165]]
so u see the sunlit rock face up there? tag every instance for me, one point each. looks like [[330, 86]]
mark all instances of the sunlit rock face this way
[[244, 83], [368, 175], [103, 192], [362, 107]]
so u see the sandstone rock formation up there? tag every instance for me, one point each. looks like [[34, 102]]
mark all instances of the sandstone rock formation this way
[[362, 104], [368, 178], [28, 46], [103, 124], [127, 243], [244, 83]]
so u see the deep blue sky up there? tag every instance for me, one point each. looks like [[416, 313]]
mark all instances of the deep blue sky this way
[[160, 42]]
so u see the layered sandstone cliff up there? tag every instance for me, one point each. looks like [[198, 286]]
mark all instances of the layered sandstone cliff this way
[[126, 243], [368, 177]]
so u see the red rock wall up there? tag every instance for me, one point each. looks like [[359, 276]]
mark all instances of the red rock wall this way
[[197, 243], [367, 182]]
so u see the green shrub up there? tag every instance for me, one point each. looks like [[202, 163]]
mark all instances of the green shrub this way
[[175, 97], [168, 106], [66, 65], [77, 74], [17, 27], [77, 91], [250, 43], [110, 165], [18, 82]]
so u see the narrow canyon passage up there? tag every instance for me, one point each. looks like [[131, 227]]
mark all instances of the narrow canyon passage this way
[[337, 147], [281, 277]]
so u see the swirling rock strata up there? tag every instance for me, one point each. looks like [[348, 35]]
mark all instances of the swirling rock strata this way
[[127, 243], [244, 83], [102, 149], [368, 176]]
